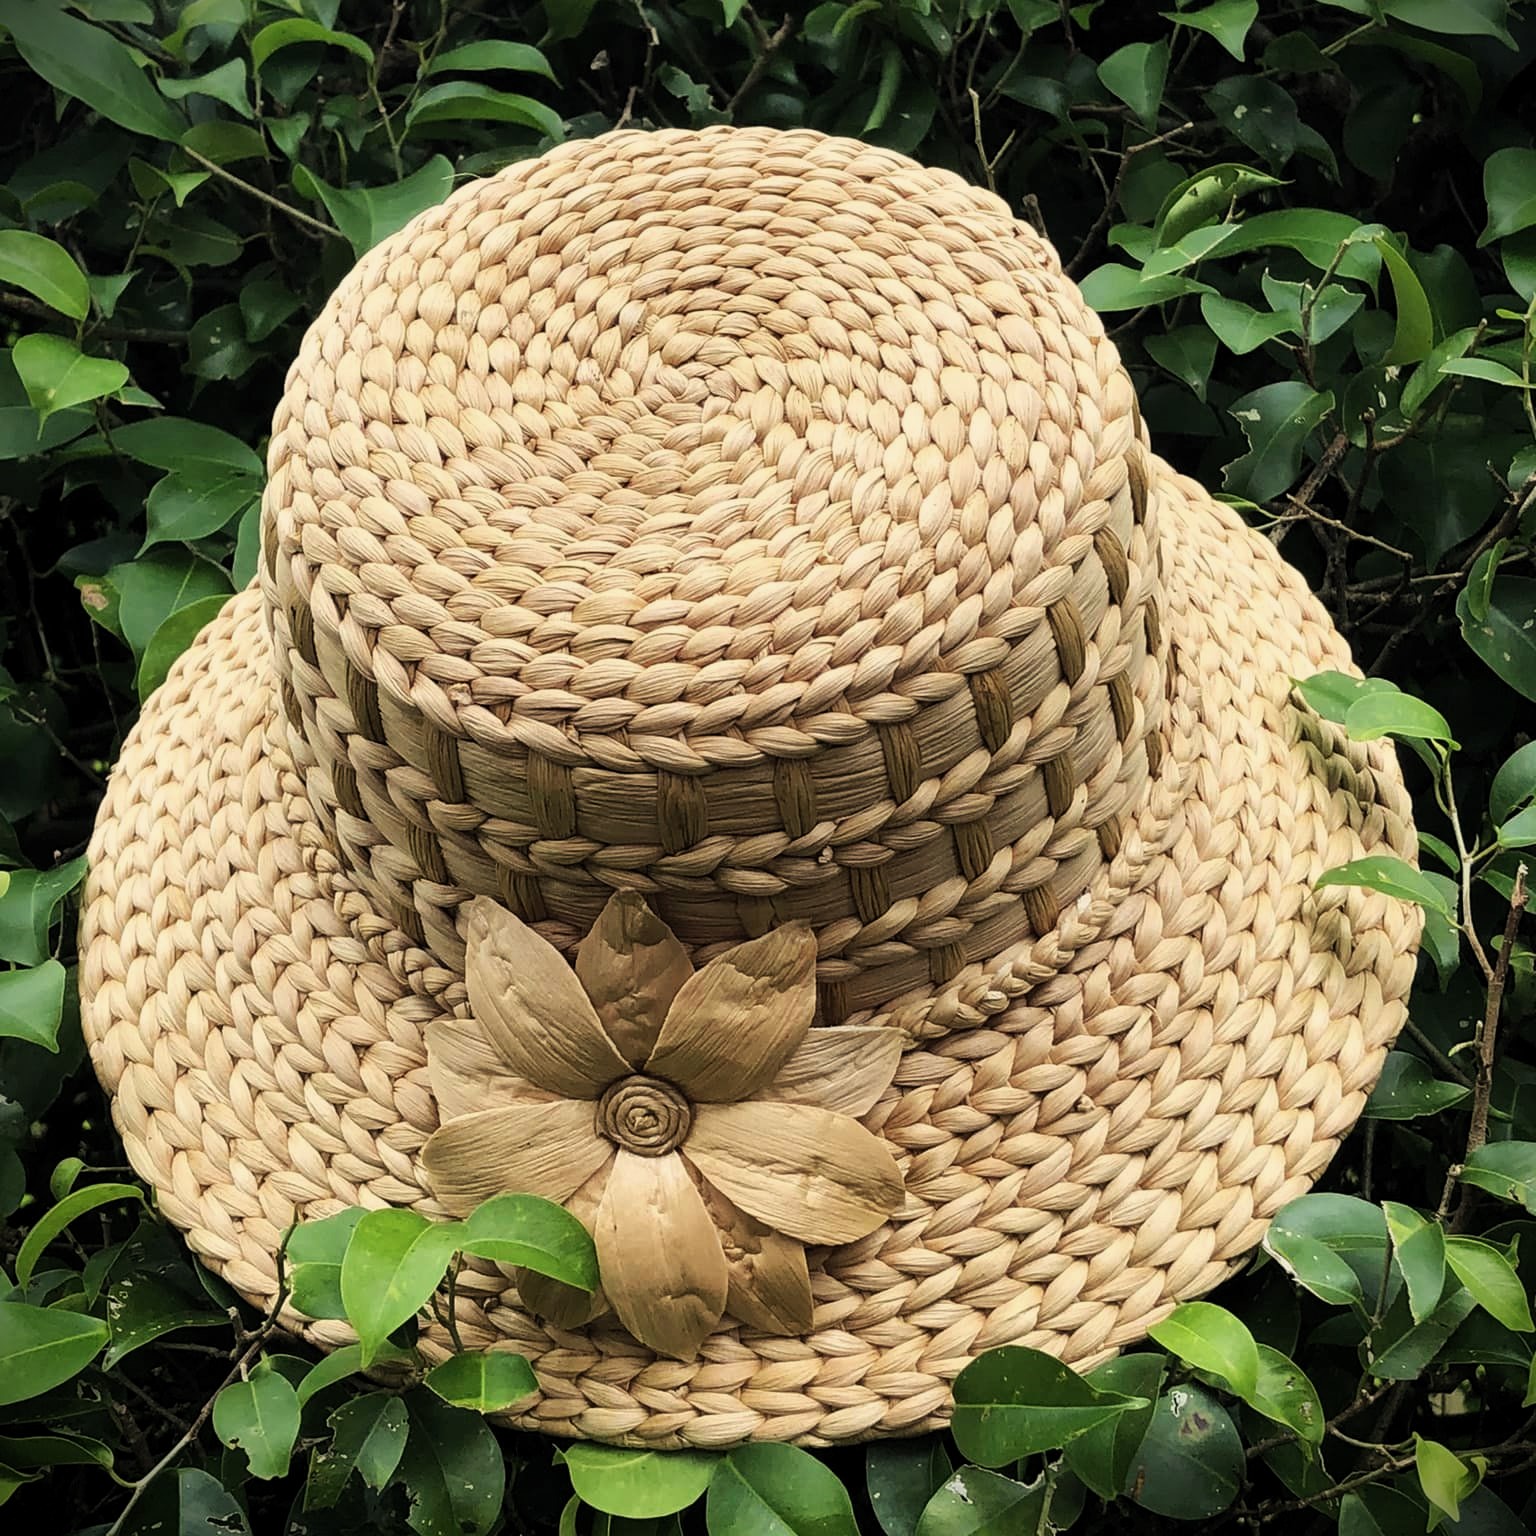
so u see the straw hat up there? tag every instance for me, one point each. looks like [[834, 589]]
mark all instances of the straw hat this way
[[735, 731]]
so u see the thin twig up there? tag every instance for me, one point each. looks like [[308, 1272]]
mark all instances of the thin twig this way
[[20, 304], [296, 214], [761, 62]]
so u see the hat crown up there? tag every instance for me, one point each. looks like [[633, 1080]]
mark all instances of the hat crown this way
[[755, 519]]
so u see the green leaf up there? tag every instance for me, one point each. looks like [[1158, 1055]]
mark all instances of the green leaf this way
[[777, 1490], [368, 1436], [485, 1380], [58, 1217], [457, 101], [315, 1252], [1210, 1338], [1415, 333], [1419, 1248], [32, 1004], [1209, 196], [1114, 286], [176, 632], [1457, 18], [188, 447], [901, 1476], [145, 1305], [28, 908], [1330, 694], [1102, 1456], [193, 504], [1408, 1089], [1514, 785], [56, 374], [1285, 1394], [394, 1262], [1135, 74], [534, 1234], [1239, 327], [891, 67], [1404, 1353], [487, 55], [260, 1416], [1492, 1280], [26, 1452], [1017, 1402], [158, 584], [216, 345], [45, 270], [1444, 1477], [1391, 876], [1227, 21], [1383, 712], [639, 1484], [90, 65], [42, 1347], [1505, 638], [1277, 420], [286, 34], [367, 215], [1187, 353], [329, 1369], [1430, 374], [1509, 188], [1483, 368], [975, 1502], [1329, 1244], [226, 83], [1191, 1464], [452, 1471], [1520, 830], [1313, 233], [1258, 112]]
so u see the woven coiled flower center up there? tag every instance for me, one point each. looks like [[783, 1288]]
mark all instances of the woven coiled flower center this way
[[644, 1115]]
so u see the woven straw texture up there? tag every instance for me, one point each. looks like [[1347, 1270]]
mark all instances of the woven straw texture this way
[[759, 522]]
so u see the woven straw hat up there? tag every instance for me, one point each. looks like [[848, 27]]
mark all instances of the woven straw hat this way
[[736, 731]]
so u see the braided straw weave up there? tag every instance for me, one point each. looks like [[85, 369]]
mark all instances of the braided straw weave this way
[[759, 521]]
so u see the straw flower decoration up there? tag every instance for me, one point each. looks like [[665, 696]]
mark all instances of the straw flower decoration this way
[[693, 1120]]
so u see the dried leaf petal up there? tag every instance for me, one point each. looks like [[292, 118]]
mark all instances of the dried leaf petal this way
[[546, 1149], [733, 1024], [532, 1008], [818, 1176], [659, 1254], [467, 1073], [630, 965], [564, 1305], [845, 1067], [770, 1282]]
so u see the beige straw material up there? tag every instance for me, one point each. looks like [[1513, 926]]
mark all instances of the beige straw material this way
[[661, 515]]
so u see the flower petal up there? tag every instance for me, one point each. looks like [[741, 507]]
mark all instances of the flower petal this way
[[532, 1008], [816, 1175], [548, 1149], [659, 1254], [467, 1073], [630, 965], [770, 1282], [845, 1067], [734, 1023], [564, 1305]]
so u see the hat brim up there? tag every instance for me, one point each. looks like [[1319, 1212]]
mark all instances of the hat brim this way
[[1113, 1116]]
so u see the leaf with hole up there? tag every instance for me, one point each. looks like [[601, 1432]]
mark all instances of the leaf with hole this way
[[368, 1436], [260, 1416], [975, 1502], [452, 1472], [1506, 637]]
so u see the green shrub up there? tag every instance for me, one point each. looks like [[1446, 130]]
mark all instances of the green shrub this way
[[1312, 227]]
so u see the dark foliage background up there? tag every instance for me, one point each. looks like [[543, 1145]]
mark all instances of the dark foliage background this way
[[1312, 228]]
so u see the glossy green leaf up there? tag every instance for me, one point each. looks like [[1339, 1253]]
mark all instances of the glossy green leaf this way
[[1284, 1393], [1188, 353], [188, 447], [1418, 1246], [975, 1502], [1207, 197], [1015, 1402], [485, 1380], [1239, 327], [89, 64], [297, 32], [1505, 638], [1333, 1245], [901, 1477], [314, 1255], [1102, 1456], [328, 1370], [366, 215], [1277, 420], [43, 268], [1190, 1465], [638, 1484], [393, 1264], [26, 1452], [32, 1004], [452, 1472], [1228, 21], [29, 907], [41, 1347], [777, 1490], [260, 1416], [1391, 876], [535, 1234], [1444, 1477], [368, 1436], [1383, 712], [175, 633], [1210, 1338], [1514, 785], [488, 55], [56, 374], [1402, 1353], [195, 503], [1136, 74], [1113, 286], [53, 1221], [1415, 333], [1509, 189], [1407, 1088], [1492, 1280], [457, 101], [145, 1305]]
